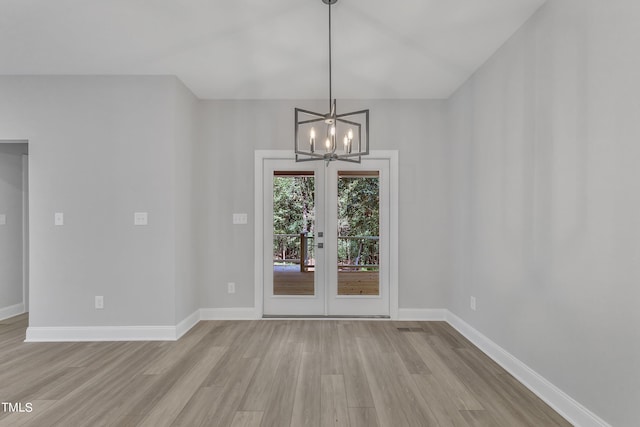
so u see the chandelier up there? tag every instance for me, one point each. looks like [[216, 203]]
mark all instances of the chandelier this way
[[331, 136]]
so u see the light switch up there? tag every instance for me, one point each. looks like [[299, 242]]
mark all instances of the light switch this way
[[239, 218], [3, 219], [58, 218], [140, 218]]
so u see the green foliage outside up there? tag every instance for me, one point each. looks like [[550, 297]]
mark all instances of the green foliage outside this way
[[293, 204], [358, 218], [293, 213]]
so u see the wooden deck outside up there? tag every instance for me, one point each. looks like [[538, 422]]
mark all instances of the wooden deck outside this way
[[349, 283]]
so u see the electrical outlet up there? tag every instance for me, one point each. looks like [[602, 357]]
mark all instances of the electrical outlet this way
[[231, 288], [472, 303], [99, 302], [58, 218]]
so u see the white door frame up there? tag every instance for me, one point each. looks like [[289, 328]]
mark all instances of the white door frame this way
[[25, 231], [260, 157]]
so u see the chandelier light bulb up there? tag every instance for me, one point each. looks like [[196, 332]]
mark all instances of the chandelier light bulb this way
[[350, 134], [346, 144], [312, 140], [332, 130]]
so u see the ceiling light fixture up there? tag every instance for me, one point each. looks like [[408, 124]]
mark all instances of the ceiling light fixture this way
[[353, 127]]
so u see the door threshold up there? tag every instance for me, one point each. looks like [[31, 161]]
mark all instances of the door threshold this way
[[321, 317]]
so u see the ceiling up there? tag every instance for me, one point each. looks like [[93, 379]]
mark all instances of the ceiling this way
[[257, 49]]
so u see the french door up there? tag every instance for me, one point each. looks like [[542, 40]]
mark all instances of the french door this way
[[326, 238]]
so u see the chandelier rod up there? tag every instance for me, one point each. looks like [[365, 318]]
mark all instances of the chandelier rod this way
[[330, 82]]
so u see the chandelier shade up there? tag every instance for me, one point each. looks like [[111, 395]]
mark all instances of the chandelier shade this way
[[331, 136]]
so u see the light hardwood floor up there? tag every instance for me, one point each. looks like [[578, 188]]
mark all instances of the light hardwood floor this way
[[266, 373]]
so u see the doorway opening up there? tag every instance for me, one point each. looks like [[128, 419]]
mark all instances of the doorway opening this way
[[326, 238], [14, 228]]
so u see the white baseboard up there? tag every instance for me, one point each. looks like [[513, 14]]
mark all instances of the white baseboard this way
[[188, 323], [240, 313], [136, 333], [566, 406], [101, 333], [11, 311], [423, 314]]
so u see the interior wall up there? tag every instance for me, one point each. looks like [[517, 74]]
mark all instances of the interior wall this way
[[230, 133], [11, 238], [544, 141], [101, 148], [187, 292]]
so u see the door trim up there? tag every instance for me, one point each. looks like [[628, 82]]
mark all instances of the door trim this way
[[25, 232], [259, 158]]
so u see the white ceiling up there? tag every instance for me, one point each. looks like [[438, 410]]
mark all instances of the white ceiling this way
[[261, 49]]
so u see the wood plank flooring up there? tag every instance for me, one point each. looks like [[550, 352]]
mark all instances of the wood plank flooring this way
[[266, 373]]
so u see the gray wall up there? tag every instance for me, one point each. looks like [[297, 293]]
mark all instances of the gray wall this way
[[546, 201], [187, 292], [232, 130], [101, 148], [11, 237], [131, 139]]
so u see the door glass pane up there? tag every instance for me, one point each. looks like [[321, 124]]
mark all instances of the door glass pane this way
[[293, 231], [358, 233]]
